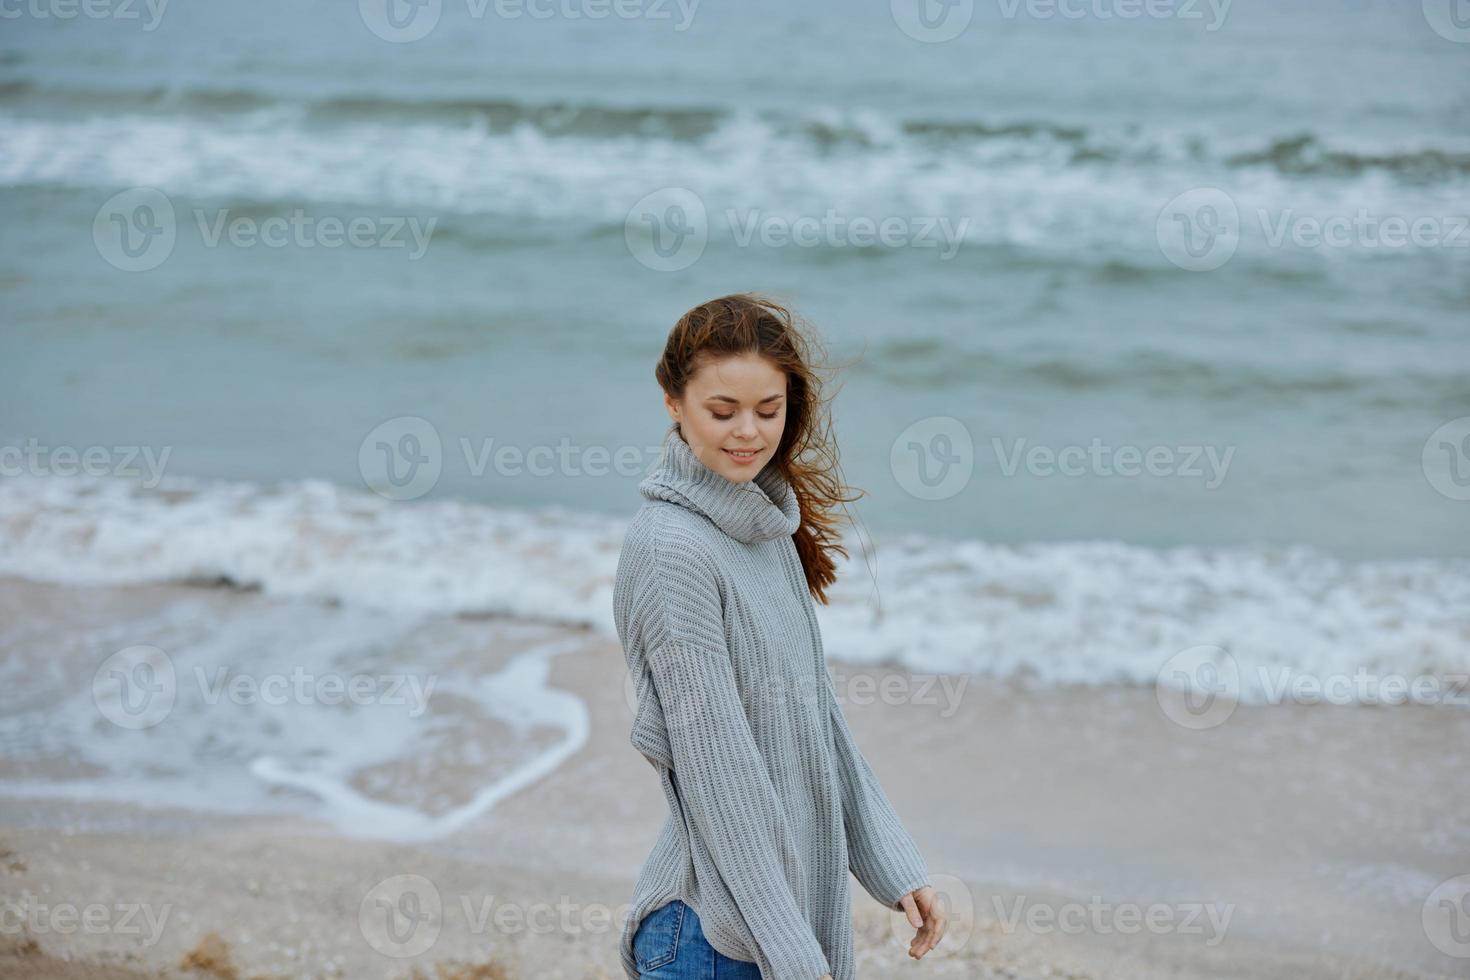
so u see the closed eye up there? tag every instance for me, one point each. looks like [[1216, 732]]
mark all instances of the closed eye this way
[[726, 418]]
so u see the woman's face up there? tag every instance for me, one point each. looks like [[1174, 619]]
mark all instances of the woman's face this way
[[732, 414]]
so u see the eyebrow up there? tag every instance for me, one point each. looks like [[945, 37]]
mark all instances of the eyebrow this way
[[733, 401]]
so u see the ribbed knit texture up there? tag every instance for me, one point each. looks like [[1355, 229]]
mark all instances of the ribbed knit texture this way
[[770, 801]]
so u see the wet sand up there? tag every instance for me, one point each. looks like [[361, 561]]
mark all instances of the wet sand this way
[[1290, 841]]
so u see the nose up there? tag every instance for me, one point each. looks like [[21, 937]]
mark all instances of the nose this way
[[746, 429]]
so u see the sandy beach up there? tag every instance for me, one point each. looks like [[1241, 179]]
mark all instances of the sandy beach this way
[[338, 339], [1289, 841]]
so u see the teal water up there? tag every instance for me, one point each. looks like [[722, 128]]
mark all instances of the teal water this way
[[1061, 317]]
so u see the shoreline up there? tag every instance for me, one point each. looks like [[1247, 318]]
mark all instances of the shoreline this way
[[1035, 804]]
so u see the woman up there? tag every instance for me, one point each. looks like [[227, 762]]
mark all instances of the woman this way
[[770, 801]]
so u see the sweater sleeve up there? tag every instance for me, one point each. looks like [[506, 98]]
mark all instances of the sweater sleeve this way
[[883, 857], [718, 771]]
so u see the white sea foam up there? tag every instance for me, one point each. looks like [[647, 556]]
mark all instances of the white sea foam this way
[[1026, 189], [376, 721], [1085, 613]]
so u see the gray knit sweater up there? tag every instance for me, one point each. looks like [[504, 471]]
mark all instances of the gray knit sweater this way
[[770, 801]]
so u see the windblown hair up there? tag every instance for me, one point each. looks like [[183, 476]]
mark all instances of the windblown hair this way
[[807, 456]]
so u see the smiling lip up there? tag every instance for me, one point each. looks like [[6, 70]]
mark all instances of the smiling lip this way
[[753, 453]]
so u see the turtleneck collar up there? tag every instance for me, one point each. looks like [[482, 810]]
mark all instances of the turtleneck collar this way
[[758, 509]]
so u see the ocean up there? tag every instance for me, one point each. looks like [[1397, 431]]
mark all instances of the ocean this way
[[1151, 326]]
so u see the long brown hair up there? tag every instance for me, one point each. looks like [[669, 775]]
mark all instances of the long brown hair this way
[[807, 456]]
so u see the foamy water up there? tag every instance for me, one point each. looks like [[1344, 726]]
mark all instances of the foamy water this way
[[380, 723], [1085, 613], [1322, 367], [1036, 187], [1172, 237]]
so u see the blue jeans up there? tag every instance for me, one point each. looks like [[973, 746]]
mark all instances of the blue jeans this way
[[670, 945]]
